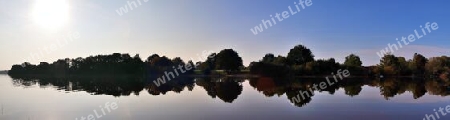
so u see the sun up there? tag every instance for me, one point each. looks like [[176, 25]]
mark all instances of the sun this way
[[50, 13]]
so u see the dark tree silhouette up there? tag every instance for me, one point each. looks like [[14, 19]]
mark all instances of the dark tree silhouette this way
[[228, 60], [227, 89], [94, 65], [418, 63], [299, 62], [299, 55], [209, 65], [268, 58]]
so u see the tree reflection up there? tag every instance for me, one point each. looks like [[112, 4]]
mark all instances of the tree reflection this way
[[228, 89], [391, 87], [353, 87], [116, 86], [175, 85], [268, 86], [437, 87], [295, 92], [275, 86]]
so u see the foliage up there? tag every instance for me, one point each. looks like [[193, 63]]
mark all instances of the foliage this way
[[299, 55], [299, 62], [228, 60], [390, 65], [101, 65], [319, 67], [352, 60], [269, 69], [418, 64], [209, 65], [280, 60], [268, 58], [438, 65]]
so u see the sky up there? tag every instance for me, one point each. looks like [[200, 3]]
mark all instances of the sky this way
[[53, 29]]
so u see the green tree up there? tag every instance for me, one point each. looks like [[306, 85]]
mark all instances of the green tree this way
[[353, 60], [228, 60], [389, 64], [299, 55]]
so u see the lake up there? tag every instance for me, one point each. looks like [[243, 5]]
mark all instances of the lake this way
[[218, 99]]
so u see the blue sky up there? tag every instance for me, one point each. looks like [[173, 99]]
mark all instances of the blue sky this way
[[187, 28]]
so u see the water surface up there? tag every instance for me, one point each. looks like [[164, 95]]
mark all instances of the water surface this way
[[219, 99]]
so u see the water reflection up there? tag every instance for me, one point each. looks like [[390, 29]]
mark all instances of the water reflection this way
[[229, 89], [226, 89]]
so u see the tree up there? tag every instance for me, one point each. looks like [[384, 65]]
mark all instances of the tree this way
[[208, 65], [268, 58], [43, 68], [438, 65], [280, 60], [321, 67], [353, 60], [299, 55], [178, 61], [418, 63], [390, 64], [161, 62], [193, 67], [354, 64], [112, 64], [403, 66], [151, 57], [16, 69], [137, 65], [228, 60]]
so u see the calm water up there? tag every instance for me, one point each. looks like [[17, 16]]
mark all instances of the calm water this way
[[219, 99]]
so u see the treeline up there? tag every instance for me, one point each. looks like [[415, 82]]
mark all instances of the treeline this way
[[419, 65], [227, 60], [228, 89], [99, 65], [124, 64], [300, 62]]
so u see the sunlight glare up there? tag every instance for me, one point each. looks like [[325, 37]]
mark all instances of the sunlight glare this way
[[50, 13]]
